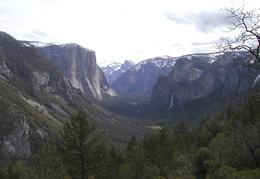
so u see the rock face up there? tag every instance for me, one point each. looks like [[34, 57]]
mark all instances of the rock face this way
[[114, 70], [36, 99], [79, 65], [195, 78], [138, 81], [16, 143], [25, 72]]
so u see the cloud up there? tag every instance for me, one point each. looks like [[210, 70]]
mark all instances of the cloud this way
[[177, 45], [195, 43], [39, 33], [203, 21], [32, 34]]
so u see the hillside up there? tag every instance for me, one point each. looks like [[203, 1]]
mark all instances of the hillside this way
[[79, 65], [36, 98], [136, 84]]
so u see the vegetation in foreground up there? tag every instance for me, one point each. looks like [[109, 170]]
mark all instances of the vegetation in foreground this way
[[226, 146]]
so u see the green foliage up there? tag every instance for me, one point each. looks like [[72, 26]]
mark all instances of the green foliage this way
[[225, 146], [183, 172], [230, 173], [48, 164], [199, 159], [135, 165], [159, 177], [77, 146], [19, 170]]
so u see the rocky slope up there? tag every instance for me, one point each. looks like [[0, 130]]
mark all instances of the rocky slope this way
[[79, 65], [36, 98], [138, 81], [115, 69], [194, 78]]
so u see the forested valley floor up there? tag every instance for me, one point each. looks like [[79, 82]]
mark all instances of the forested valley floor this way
[[224, 146]]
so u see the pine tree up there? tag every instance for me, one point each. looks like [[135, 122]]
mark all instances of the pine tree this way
[[48, 164], [77, 146]]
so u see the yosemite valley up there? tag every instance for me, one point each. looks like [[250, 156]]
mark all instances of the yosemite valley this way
[[64, 116]]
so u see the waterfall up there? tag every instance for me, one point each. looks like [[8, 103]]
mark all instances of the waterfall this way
[[171, 102]]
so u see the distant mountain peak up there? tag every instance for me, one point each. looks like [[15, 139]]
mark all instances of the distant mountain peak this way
[[113, 70]]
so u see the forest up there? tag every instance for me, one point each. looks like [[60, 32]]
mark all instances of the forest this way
[[224, 146]]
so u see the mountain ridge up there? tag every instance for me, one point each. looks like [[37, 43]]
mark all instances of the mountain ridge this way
[[36, 99], [138, 81], [79, 65], [113, 70], [192, 79]]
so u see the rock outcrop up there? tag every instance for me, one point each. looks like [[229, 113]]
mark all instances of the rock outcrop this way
[[36, 99], [17, 143], [138, 81], [79, 65], [194, 78], [115, 69]]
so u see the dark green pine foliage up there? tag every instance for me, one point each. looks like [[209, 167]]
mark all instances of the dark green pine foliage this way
[[114, 162], [160, 151], [48, 164], [165, 151], [77, 146], [135, 161]]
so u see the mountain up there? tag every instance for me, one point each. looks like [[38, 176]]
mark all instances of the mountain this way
[[115, 69], [36, 99], [138, 82], [196, 78], [79, 65]]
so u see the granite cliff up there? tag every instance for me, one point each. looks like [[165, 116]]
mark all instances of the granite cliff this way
[[36, 99], [194, 78], [80, 67], [137, 82]]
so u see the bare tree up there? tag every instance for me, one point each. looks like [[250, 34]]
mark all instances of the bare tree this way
[[246, 23]]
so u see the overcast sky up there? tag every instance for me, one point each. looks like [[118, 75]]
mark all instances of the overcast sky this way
[[119, 30]]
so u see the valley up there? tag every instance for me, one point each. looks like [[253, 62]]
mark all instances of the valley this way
[[188, 103]]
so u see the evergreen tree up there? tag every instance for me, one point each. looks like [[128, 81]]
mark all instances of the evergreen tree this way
[[18, 170], [161, 151], [165, 151], [48, 164], [135, 159], [77, 146], [114, 162]]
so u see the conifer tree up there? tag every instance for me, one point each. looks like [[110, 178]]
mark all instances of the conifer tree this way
[[48, 164], [77, 146]]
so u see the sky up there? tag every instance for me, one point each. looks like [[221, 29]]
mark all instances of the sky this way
[[119, 30]]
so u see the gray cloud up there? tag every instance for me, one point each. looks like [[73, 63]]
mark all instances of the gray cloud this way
[[176, 45], [213, 42], [39, 33], [34, 34], [204, 21]]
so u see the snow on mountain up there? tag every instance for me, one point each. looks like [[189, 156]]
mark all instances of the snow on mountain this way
[[41, 44], [208, 57], [140, 79], [113, 70], [78, 64], [168, 61], [159, 62]]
